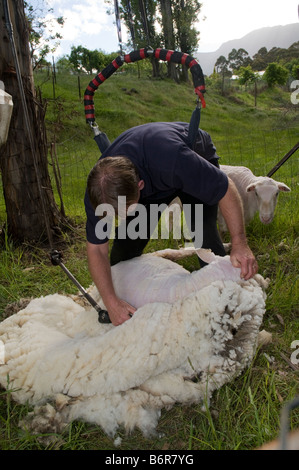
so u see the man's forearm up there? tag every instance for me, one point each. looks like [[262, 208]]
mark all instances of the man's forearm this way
[[100, 270], [99, 266], [232, 211]]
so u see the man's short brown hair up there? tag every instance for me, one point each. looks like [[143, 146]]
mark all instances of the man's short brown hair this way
[[112, 177]]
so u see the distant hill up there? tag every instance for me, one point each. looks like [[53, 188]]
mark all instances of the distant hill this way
[[274, 36]]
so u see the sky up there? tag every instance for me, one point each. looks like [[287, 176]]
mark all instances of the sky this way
[[87, 23]]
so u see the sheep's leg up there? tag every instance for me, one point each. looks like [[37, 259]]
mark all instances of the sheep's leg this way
[[227, 247], [174, 255]]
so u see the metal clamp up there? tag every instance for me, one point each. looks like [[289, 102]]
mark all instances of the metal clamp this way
[[95, 128]]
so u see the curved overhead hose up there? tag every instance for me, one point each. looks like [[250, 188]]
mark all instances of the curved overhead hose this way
[[134, 56]]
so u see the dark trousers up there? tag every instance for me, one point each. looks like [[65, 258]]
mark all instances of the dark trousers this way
[[123, 249]]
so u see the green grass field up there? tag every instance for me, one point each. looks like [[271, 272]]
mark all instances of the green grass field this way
[[245, 413]]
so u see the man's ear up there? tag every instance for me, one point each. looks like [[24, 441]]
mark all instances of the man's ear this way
[[141, 184]]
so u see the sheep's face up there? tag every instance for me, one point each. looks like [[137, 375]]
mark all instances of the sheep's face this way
[[266, 193]]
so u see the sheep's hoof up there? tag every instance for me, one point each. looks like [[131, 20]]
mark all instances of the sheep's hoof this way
[[227, 247]]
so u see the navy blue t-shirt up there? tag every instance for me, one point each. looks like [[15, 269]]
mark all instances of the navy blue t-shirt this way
[[167, 165]]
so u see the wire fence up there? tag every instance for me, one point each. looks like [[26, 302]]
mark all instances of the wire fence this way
[[260, 151]]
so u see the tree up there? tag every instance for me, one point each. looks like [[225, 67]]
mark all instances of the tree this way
[[142, 18], [275, 74], [279, 55], [30, 205], [185, 13], [221, 66], [168, 30], [295, 71], [238, 58], [42, 35], [260, 61], [293, 68], [167, 24], [247, 75], [86, 60], [176, 18]]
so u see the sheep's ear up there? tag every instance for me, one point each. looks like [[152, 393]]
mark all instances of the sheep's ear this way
[[250, 187], [283, 187]]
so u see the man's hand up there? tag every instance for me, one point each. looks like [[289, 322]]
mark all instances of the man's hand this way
[[98, 262], [119, 311], [242, 257]]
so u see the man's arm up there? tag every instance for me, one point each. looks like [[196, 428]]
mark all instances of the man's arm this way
[[241, 256], [100, 270]]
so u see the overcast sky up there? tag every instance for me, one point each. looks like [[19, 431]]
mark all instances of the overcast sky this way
[[87, 23]]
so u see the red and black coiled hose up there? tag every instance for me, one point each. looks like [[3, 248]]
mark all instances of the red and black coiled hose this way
[[134, 56]]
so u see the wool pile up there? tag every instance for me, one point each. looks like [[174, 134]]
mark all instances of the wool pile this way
[[67, 365]]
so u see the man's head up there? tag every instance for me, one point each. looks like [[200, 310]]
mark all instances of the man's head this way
[[112, 177]]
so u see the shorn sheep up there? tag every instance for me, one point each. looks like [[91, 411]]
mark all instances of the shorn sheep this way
[[258, 194], [191, 333]]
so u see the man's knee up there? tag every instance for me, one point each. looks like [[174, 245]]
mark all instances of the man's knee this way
[[124, 251], [118, 257]]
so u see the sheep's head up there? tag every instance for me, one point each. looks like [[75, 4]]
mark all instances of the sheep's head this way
[[266, 191]]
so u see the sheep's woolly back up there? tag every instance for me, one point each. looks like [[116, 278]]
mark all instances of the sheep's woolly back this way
[[241, 175], [55, 351]]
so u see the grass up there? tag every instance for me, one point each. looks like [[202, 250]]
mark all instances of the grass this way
[[246, 412]]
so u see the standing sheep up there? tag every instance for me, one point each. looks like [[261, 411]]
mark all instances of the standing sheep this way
[[258, 193], [191, 333]]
